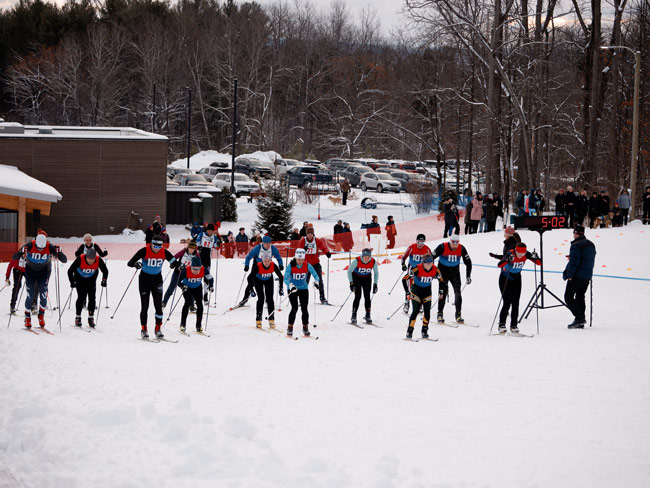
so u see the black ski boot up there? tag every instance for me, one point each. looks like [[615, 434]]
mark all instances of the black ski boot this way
[[305, 331], [409, 332], [258, 321], [183, 328], [440, 318], [159, 334], [425, 332], [144, 333], [353, 319], [514, 329], [368, 318], [91, 321], [77, 321], [459, 318], [290, 330], [502, 328], [577, 324]]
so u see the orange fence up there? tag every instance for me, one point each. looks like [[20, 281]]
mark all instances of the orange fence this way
[[432, 226]]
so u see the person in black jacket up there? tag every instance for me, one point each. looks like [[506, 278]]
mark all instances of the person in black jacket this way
[[646, 206], [570, 206], [603, 203], [451, 218], [87, 245], [560, 203], [593, 209], [577, 274], [511, 239], [82, 274], [582, 207]]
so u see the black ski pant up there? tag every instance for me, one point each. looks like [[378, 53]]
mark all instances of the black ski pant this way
[[450, 274], [301, 296], [449, 228], [510, 292], [192, 295], [321, 287], [361, 284], [86, 288], [646, 215], [173, 284], [421, 298], [151, 285], [625, 212], [36, 285], [264, 290], [345, 199], [18, 279], [574, 297]]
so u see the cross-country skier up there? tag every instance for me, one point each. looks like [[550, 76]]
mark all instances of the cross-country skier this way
[[38, 266], [206, 241], [314, 247], [510, 284], [17, 265], [89, 244], [258, 253], [82, 274], [189, 281], [261, 278], [421, 277], [511, 239], [295, 277], [359, 275], [150, 259], [414, 253], [449, 255], [185, 257]]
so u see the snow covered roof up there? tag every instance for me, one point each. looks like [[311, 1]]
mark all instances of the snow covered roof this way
[[15, 130], [18, 184]]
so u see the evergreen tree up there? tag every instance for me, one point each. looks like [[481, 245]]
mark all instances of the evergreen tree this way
[[274, 212], [228, 206]]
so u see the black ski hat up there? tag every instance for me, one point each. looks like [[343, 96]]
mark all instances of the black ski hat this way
[[91, 254], [157, 241], [421, 237], [579, 229]]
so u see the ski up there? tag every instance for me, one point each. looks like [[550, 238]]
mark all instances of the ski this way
[[29, 329], [184, 333], [374, 325], [148, 339], [202, 334], [468, 325], [454, 324], [291, 337], [164, 339], [233, 308], [357, 325], [328, 304], [276, 330], [410, 340], [309, 337], [43, 329], [519, 334], [80, 328], [430, 339], [262, 329]]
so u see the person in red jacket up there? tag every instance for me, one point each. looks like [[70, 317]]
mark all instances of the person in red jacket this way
[[314, 247], [17, 264]]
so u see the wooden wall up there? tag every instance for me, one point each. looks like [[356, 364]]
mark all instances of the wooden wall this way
[[102, 181]]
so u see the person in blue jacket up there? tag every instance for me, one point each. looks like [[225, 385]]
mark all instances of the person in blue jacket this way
[[258, 253], [295, 278], [577, 274]]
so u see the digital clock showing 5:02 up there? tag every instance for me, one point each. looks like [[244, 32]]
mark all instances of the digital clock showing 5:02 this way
[[544, 222]]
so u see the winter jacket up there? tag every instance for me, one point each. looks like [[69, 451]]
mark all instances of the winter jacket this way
[[624, 200], [603, 204], [241, 237], [582, 205], [560, 201], [451, 214], [491, 210], [338, 228], [477, 209], [391, 230], [582, 257], [570, 201], [83, 249], [345, 186], [593, 207], [468, 213], [646, 201]]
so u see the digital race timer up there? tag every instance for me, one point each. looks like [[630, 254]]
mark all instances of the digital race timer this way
[[548, 222]]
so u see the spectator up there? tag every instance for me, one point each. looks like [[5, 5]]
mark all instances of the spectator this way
[[497, 199], [520, 203], [570, 205], [531, 203], [230, 246], [492, 213], [603, 203], [295, 235], [195, 230], [560, 203], [256, 239], [391, 232], [338, 228], [303, 231], [582, 207], [467, 219], [373, 227], [625, 203], [577, 274], [153, 230], [477, 211], [451, 218], [482, 224], [593, 210], [345, 188], [540, 201], [646, 206], [617, 215]]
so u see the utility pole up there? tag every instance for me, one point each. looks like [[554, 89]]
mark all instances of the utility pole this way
[[234, 136], [189, 123]]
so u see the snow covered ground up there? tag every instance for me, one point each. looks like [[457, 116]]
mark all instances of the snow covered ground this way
[[357, 407]]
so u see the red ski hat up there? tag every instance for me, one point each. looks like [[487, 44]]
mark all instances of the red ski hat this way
[[510, 230], [521, 247]]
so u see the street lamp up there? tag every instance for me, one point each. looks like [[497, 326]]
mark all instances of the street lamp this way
[[635, 121]]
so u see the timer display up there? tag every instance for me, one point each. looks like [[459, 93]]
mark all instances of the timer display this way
[[548, 222]]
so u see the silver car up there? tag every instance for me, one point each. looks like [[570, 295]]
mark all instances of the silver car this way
[[380, 182], [243, 184]]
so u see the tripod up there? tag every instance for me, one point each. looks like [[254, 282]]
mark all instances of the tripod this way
[[538, 295]]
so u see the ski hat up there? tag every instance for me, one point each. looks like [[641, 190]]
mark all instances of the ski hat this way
[[421, 237], [157, 241], [41, 241], [191, 244], [91, 254], [196, 262], [266, 240], [427, 258], [521, 247], [309, 229], [454, 238], [510, 230], [366, 252], [300, 254], [579, 229], [210, 227]]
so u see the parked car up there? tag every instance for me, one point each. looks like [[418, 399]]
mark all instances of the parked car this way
[[243, 184], [387, 170], [209, 172], [174, 170], [410, 167], [380, 182], [171, 182], [187, 179], [284, 165], [336, 164], [251, 166], [312, 162], [406, 178], [354, 172], [300, 175], [375, 165]]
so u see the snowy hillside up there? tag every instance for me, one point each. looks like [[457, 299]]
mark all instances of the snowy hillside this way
[[357, 407]]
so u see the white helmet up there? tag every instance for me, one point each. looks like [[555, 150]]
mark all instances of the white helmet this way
[[300, 254], [41, 241]]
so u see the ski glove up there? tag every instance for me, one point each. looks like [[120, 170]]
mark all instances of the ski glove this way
[[468, 280], [138, 265], [534, 256], [103, 283], [281, 267], [351, 287], [329, 254], [492, 255], [316, 285], [246, 268], [403, 267], [375, 288], [281, 292], [174, 264], [72, 284], [510, 257], [292, 288], [184, 288], [7, 282], [211, 289]]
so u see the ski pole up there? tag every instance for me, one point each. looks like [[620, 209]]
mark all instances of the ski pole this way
[[207, 315], [216, 277], [20, 296], [171, 311], [1, 290], [396, 310], [314, 305], [591, 301], [239, 291], [173, 297], [167, 276], [107, 284], [127, 289], [328, 279], [505, 283], [397, 281], [99, 306], [64, 305], [341, 307]]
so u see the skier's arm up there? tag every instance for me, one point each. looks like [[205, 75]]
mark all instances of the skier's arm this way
[[100, 252], [277, 255], [56, 251], [103, 268], [182, 275], [375, 273], [179, 254], [279, 273], [287, 277], [313, 273], [406, 279], [406, 255], [79, 251], [209, 280], [73, 267], [251, 255], [320, 243], [535, 259], [439, 250], [173, 263], [352, 267], [137, 257], [467, 261]]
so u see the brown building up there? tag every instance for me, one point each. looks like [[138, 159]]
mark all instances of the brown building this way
[[107, 176]]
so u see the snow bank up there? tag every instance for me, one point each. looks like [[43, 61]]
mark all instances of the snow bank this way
[[205, 158]]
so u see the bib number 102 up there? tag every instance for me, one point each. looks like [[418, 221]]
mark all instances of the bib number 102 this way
[[154, 263]]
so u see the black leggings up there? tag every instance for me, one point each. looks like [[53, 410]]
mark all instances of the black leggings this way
[[510, 291], [449, 275], [574, 297], [151, 284], [421, 297], [192, 295], [361, 284], [18, 279], [264, 289], [36, 285], [301, 296], [86, 287]]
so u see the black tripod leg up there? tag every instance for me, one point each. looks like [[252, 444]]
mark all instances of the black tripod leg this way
[[555, 296], [530, 306]]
